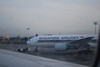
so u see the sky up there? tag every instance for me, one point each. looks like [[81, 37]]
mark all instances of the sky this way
[[48, 17]]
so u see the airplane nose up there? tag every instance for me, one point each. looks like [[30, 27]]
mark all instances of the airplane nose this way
[[32, 41], [27, 42]]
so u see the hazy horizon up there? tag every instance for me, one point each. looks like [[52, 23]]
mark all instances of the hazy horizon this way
[[48, 17]]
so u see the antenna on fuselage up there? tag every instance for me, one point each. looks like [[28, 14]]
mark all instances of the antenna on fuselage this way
[[36, 35]]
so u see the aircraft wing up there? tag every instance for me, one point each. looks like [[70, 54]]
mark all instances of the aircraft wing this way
[[15, 59], [82, 42]]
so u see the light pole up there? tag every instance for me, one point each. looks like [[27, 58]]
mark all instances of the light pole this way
[[95, 23], [28, 30]]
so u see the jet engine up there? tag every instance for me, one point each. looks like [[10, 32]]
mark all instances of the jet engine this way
[[61, 47]]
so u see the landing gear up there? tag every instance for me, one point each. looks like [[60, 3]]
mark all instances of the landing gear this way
[[19, 50], [36, 49], [23, 50]]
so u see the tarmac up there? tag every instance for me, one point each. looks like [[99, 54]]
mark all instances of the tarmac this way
[[69, 56]]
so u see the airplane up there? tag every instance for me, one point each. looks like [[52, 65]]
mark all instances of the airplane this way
[[62, 42]]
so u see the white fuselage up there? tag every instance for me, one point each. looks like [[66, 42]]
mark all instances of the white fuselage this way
[[50, 41]]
